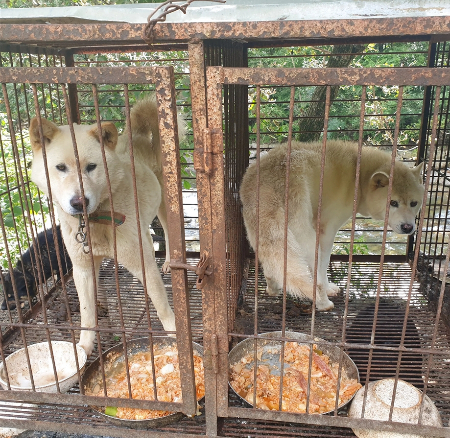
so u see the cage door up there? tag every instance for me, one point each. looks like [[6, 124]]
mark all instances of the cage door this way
[[105, 96]]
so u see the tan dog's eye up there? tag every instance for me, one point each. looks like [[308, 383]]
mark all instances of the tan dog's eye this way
[[90, 167], [413, 203], [61, 167], [394, 204]]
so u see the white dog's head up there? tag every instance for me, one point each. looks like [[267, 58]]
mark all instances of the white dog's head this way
[[62, 168], [406, 197]]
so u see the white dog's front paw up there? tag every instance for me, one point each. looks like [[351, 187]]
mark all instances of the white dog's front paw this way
[[333, 290], [88, 348], [166, 267], [324, 305]]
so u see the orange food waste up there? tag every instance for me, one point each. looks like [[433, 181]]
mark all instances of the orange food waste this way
[[168, 382], [322, 389]]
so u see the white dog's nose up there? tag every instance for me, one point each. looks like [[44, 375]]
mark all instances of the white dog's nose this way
[[407, 228], [77, 203]]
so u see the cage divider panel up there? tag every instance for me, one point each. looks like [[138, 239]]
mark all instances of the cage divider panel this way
[[236, 140]]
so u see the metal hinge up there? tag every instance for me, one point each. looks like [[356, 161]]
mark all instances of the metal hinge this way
[[212, 144], [203, 268], [218, 349], [215, 353]]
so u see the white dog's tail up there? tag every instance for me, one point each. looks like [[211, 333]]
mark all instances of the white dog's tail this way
[[145, 130]]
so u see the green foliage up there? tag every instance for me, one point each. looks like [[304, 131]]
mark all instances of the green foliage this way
[[21, 205], [359, 247], [381, 104]]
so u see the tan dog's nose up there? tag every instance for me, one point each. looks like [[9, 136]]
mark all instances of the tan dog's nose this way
[[407, 228]]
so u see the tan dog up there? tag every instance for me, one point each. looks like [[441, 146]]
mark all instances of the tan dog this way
[[66, 192], [337, 208]]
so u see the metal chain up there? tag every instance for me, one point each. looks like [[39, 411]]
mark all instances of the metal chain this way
[[81, 236], [169, 7]]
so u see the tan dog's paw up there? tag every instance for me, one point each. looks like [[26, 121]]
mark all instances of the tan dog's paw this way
[[166, 267], [272, 292], [324, 306], [333, 290]]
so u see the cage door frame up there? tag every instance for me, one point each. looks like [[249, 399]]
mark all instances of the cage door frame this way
[[216, 78], [163, 79]]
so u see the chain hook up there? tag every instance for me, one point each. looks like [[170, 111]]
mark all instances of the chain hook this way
[[169, 7], [81, 236]]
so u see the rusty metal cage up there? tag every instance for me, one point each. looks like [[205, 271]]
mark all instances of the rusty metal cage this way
[[391, 317]]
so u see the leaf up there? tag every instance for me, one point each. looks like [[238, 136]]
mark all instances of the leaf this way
[[111, 411], [17, 210], [8, 220]]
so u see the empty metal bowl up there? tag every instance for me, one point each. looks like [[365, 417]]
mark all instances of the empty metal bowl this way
[[407, 405], [112, 358], [268, 352], [42, 367]]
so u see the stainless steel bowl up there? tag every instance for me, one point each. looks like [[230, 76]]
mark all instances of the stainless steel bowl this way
[[112, 358], [271, 350], [42, 367]]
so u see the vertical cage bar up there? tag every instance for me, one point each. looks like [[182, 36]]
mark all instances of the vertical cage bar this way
[[174, 201], [219, 255], [199, 121]]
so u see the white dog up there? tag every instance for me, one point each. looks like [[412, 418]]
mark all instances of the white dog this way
[[337, 208], [66, 192]]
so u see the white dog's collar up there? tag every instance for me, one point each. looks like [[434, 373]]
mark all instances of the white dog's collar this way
[[100, 217]]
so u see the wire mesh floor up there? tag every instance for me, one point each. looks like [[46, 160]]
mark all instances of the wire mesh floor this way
[[421, 329], [395, 282]]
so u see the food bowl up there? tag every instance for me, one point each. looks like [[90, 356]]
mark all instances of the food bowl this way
[[268, 354], [113, 360], [42, 367], [407, 405]]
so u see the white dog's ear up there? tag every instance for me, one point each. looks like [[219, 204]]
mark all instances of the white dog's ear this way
[[417, 172], [49, 130], [379, 179], [109, 134]]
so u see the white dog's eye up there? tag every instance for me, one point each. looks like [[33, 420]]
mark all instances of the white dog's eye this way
[[90, 167], [413, 203], [61, 167], [394, 204]]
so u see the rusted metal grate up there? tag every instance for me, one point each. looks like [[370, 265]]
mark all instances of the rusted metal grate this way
[[132, 294], [359, 324]]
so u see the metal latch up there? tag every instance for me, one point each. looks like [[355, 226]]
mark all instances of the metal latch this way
[[201, 269]]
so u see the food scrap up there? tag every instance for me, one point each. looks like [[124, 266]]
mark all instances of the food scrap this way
[[168, 383], [323, 384]]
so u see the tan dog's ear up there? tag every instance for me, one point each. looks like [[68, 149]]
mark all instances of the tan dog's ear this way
[[417, 172], [109, 133], [49, 130], [379, 179]]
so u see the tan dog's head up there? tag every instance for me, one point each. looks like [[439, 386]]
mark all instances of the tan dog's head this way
[[62, 168], [406, 198]]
